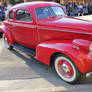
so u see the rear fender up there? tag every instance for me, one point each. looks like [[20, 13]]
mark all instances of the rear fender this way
[[7, 34], [45, 50]]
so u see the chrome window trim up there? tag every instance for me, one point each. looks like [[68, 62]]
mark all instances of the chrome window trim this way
[[65, 30]]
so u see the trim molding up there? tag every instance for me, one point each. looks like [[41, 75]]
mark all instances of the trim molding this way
[[69, 31]]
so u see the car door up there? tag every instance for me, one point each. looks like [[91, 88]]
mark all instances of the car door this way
[[24, 28]]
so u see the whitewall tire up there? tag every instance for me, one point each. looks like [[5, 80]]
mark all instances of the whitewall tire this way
[[6, 43], [66, 69]]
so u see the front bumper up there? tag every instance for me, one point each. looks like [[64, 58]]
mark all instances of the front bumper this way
[[85, 62], [89, 57], [89, 74]]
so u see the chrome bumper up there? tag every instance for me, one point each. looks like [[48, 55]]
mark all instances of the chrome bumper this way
[[89, 74]]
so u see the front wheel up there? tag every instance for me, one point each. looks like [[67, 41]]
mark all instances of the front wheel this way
[[6, 43], [66, 69]]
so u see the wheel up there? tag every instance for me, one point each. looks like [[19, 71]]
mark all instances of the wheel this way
[[6, 43], [66, 69]]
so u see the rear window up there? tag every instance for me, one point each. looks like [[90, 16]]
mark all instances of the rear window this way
[[24, 15]]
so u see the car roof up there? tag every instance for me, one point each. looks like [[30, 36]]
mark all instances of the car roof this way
[[35, 4]]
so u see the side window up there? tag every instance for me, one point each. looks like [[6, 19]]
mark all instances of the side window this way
[[24, 15], [11, 15]]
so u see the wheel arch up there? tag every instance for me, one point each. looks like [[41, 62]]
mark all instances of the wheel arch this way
[[53, 56], [7, 33], [79, 63]]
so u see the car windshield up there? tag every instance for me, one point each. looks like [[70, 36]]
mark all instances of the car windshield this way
[[46, 12]]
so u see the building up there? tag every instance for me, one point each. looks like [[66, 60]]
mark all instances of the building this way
[[76, 1], [2, 1]]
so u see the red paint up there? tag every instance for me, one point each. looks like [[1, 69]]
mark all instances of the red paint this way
[[60, 34], [46, 49]]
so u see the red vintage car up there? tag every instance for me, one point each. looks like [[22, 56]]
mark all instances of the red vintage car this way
[[44, 31]]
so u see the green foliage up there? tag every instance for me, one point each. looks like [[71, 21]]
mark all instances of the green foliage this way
[[12, 1], [4, 4]]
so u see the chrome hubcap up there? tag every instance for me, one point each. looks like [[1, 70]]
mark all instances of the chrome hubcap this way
[[65, 68]]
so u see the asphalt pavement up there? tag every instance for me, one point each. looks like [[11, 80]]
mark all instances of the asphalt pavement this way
[[21, 73]]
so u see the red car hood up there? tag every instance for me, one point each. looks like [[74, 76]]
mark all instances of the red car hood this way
[[68, 24]]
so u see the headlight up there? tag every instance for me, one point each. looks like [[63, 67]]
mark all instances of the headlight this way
[[90, 48]]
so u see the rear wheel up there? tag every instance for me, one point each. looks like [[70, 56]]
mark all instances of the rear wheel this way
[[6, 43], [66, 69]]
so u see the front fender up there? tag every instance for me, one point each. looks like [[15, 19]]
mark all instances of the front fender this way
[[45, 50]]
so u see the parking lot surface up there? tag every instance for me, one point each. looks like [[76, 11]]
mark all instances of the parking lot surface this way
[[21, 73]]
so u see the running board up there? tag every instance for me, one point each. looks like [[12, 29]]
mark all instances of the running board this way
[[24, 49]]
